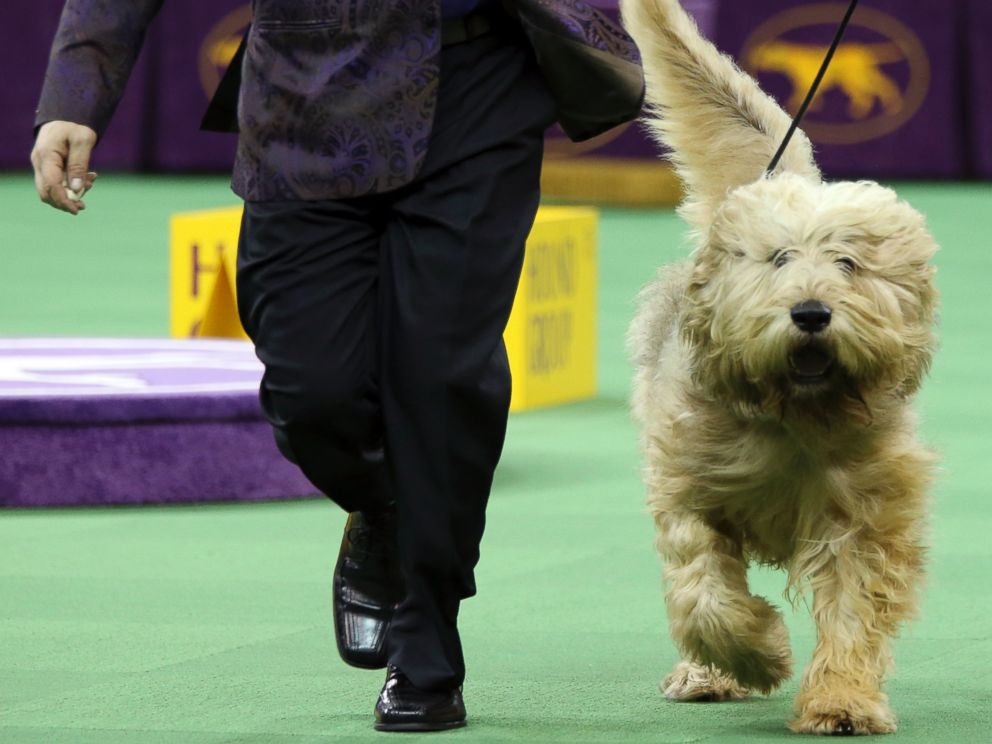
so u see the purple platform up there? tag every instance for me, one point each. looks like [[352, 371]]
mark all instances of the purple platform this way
[[126, 421]]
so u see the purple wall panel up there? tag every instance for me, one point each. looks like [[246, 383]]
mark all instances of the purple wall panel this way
[[904, 66], [19, 92], [980, 92], [125, 144], [195, 41], [889, 106]]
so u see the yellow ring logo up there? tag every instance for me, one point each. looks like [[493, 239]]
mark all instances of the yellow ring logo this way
[[867, 74], [219, 46]]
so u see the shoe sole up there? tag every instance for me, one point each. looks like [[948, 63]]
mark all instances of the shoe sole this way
[[413, 727], [370, 666], [349, 657]]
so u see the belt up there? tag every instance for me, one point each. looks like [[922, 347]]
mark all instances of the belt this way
[[466, 28]]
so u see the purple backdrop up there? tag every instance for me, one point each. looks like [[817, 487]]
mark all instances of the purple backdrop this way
[[192, 65], [980, 91], [890, 103], [910, 64]]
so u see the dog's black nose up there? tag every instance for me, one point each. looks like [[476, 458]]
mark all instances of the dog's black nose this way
[[811, 316]]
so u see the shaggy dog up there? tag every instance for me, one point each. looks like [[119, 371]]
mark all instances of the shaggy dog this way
[[775, 373]]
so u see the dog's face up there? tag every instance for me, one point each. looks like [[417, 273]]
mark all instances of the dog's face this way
[[805, 290]]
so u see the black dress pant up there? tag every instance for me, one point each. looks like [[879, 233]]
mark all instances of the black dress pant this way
[[379, 321]]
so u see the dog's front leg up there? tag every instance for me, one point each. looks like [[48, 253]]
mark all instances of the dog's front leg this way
[[713, 617], [863, 586]]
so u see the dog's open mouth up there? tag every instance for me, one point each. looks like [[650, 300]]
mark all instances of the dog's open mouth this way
[[811, 363]]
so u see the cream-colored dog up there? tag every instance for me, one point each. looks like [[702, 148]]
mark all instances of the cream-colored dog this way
[[775, 374]]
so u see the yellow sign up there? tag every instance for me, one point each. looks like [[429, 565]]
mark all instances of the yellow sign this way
[[203, 261], [884, 80], [550, 338]]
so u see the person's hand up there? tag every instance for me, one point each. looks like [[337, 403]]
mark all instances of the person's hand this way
[[61, 158]]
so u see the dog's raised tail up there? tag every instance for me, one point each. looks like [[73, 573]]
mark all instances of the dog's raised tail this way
[[721, 127]]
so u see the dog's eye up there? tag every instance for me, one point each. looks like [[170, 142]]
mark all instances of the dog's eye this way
[[781, 258], [846, 264]]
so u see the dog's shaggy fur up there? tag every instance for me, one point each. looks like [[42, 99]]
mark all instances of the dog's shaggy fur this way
[[772, 435]]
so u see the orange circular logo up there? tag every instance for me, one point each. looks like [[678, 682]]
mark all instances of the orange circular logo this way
[[219, 46], [877, 81]]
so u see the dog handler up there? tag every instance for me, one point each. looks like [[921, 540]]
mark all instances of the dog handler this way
[[389, 158]]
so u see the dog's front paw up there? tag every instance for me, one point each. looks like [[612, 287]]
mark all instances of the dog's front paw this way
[[762, 669], [827, 713], [696, 683], [751, 644]]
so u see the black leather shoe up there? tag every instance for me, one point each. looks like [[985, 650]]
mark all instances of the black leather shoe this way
[[403, 707], [367, 588]]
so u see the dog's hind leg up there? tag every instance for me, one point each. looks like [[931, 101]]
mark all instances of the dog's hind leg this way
[[713, 617]]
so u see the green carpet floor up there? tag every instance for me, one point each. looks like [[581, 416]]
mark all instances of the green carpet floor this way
[[211, 624]]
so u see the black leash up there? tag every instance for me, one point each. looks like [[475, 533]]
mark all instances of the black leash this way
[[813, 88]]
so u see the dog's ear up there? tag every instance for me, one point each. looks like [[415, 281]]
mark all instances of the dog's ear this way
[[722, 129]]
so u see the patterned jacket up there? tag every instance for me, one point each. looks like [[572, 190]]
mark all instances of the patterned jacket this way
[[337, 97]]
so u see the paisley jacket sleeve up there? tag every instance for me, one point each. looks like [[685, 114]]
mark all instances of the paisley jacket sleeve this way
[[95, 47]]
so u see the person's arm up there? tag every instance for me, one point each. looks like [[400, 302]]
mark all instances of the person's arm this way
[[95, 47]]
